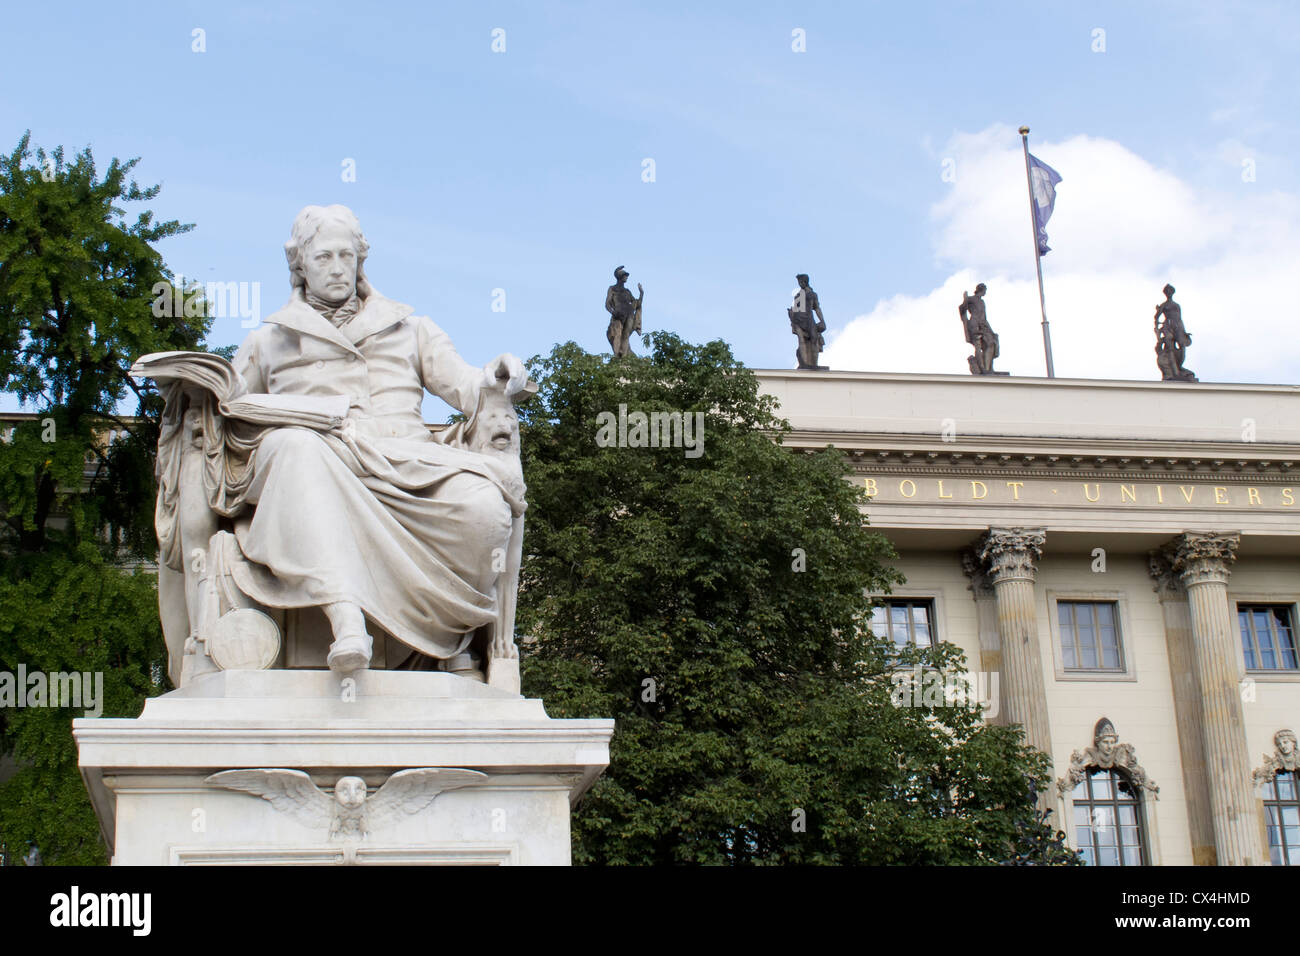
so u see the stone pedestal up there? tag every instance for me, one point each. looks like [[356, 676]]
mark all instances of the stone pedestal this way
[[149, 777]]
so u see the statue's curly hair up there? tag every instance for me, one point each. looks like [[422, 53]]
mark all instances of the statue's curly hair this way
[[305, 226]]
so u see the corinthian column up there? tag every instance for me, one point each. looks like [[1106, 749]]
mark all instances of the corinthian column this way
[[1187, 704], [986, 617], [1011, 556], [1201, 560]]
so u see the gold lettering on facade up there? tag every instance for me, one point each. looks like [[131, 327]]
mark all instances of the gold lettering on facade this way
[[1093, 493]]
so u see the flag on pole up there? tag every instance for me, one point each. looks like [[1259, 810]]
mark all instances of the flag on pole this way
[[1043, 180]]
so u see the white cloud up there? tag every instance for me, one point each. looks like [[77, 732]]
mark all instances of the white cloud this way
[[1122, 229]]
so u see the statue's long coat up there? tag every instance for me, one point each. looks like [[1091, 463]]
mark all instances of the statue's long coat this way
[[378, 512]]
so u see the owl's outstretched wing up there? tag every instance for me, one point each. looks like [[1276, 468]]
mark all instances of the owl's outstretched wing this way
[[290, 791], [410, 791]]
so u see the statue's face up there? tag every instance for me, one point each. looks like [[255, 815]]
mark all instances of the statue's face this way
[[1106, 744], [1286, 744], [329, 264], [350, 792]]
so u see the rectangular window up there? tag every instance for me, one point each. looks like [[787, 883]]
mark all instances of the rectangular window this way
[[1267, 637], [907, 621], [1090, 639]]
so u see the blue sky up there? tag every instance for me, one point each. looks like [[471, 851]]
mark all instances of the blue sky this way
[[522, 170]]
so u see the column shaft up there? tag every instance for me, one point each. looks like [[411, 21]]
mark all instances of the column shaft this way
[[1011, 555], [986, 620], [1202, 559], [1187, 707]]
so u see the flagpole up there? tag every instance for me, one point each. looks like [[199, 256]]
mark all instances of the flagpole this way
[[1038, 259]]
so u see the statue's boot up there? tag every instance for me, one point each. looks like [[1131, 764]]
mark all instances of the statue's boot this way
[[352, 645], [465, 665]]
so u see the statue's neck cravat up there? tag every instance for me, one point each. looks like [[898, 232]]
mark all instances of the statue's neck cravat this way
[[337, 314]]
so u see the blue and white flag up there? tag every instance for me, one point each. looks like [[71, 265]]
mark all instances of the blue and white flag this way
[[1043, 180]]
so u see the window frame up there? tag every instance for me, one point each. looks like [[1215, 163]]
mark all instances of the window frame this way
[[920, 597], [1127, 670], [1279, 802], [1253, 600], [1138, 802]]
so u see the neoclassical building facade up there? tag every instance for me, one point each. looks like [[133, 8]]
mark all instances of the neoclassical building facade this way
[[1120, 562]]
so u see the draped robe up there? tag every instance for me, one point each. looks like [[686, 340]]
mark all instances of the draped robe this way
[[378, 512]]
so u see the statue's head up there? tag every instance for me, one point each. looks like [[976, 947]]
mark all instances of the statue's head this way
[[620, 274], [981, 289], [802, 279], [1284, 740], [327, 254], [1104, 737], [1168, 290], [350, 792]]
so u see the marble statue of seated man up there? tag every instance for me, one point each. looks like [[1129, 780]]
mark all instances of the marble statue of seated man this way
[[374, 519]]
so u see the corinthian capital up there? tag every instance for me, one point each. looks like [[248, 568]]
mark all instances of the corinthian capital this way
[[975, 569], [1160, 564], [1201, 557], [1011, 554]]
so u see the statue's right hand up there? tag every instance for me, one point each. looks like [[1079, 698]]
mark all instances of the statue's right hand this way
[[508, 369]]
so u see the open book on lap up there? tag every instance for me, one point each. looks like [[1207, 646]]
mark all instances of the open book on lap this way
[[214, 374]]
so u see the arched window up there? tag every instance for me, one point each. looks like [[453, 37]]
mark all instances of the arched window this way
[[1109, 791], [1278, 783], [1108, 819], [1282, 813]]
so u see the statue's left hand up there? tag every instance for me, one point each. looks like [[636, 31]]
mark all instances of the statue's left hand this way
[[508, 367]]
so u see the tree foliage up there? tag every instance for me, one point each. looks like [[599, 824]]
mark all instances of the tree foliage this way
[[712, 605], [77, 276]]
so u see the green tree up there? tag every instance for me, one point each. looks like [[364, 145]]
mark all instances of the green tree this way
[[77, 281], [711, 603]]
